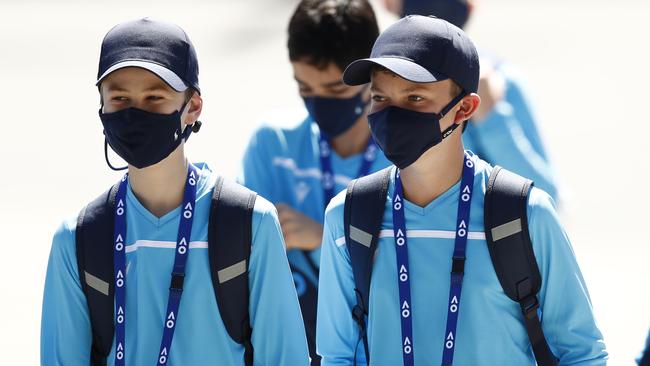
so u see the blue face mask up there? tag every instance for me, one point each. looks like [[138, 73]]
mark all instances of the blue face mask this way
[[404, 135], [334, 115], [143, 138]]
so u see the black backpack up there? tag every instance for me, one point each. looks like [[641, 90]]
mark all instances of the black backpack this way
[[229, 246], [506, 229]]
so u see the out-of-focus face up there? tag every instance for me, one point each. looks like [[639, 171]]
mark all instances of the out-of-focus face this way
[[327, 83]]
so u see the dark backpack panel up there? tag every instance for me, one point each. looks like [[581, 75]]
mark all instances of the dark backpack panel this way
[[229, 243], [506, 227]]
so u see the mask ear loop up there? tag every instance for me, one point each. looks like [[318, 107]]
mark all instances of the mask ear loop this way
[[194, 127], [108, 161], [446, 110]]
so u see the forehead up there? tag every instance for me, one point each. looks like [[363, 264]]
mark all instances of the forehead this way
[[134, 79]]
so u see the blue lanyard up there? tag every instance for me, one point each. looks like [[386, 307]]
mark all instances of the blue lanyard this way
[[404, 286], [178, 272], [327, 178]]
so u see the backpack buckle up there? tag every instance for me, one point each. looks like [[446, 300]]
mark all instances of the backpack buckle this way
[[529, 306]]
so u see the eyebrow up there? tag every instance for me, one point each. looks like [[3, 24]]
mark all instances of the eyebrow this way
[[157, 87], [374, 89], [406, 90], [333, 84], [113, 87], [325, 85], [154, 88], [413, 88]]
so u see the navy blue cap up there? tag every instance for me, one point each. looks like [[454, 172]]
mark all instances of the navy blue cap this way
[[422, 50], [455, 12], [160, 47]]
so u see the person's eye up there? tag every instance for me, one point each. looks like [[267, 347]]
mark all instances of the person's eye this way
[[378, 98], [154, 98], [415, 98], [119, 98]]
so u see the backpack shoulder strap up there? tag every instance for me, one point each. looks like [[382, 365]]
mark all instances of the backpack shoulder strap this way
[[229, 247], [94, 245], [363, 213], [511, 250]]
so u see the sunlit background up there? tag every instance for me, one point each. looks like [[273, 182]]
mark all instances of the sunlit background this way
[[586, 63]]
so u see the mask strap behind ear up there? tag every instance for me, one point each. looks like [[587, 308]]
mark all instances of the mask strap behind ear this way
[[453, 103], [194, 127], [108, 161], [446, 110]]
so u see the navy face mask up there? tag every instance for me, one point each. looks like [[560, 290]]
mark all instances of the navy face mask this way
[[143, 138], [404, 135], [333, 115]]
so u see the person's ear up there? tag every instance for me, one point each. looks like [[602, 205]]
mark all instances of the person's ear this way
[[471, 4], [468, 107], [194, 107]]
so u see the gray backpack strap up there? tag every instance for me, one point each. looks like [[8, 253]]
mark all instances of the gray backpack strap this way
[[94, 249], [363, 213], [229, 246]]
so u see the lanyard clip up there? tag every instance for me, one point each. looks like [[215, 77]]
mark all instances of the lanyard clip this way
[[458, 265], [177, 282]]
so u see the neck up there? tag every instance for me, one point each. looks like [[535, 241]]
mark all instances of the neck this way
[[160, 187], [434, 172], [354, 140]]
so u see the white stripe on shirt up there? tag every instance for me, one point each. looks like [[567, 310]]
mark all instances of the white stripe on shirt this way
[[163, 245], [290, 164], [436, 234]]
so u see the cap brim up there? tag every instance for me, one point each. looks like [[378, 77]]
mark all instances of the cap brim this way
[[358, 72], [162, 72]]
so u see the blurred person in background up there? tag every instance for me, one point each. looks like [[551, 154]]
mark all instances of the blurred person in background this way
[[504, 130], [108, 296], [301, 167], [644, 360]]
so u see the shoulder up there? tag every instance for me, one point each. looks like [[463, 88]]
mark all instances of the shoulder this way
[[265, 218], [334, 213], [63, 251], [65, 232], [541, 207], [334, 210], [264, 208]]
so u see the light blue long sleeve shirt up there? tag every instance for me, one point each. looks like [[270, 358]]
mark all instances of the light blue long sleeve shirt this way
[[200, 337], [490, 326], [283, 165]]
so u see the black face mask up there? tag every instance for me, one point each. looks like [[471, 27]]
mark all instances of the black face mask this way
[[143, 138], [404, 135], [333, 115]]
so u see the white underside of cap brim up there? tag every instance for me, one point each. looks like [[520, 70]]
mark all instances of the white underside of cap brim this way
[[162, 72], [358, 72]]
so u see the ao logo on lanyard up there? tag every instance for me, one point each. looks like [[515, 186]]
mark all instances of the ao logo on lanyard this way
[[178, 272], [458, 263], [327, 179]]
